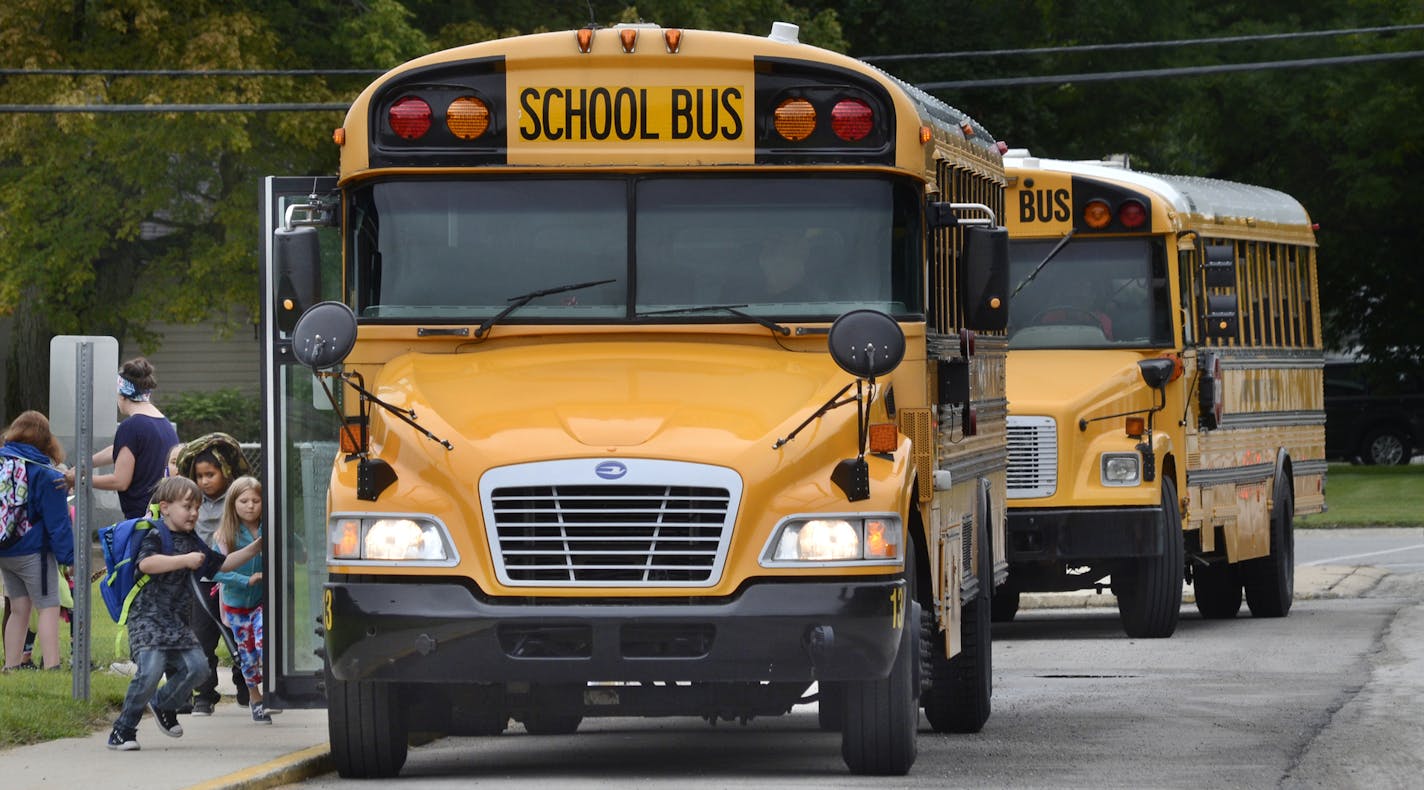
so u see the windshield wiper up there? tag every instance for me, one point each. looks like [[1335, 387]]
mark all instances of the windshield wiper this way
[[1057, 248], [729, 308], [516, 302]]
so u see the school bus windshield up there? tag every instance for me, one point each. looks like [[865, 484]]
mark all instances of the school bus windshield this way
[[790, 247], [1095, 293]]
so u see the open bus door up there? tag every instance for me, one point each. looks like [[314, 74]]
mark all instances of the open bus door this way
[[299, 445]]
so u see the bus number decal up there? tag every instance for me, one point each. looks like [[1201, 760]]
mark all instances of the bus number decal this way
[[581, 114], [1044, 205]]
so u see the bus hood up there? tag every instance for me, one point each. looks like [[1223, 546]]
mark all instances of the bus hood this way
[[649, 398], [1069, 384]]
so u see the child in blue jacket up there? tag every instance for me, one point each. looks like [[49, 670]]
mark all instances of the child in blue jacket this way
[[28, 566]]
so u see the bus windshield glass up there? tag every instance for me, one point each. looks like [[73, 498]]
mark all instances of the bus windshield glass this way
[[792, 247], [1095, 293]]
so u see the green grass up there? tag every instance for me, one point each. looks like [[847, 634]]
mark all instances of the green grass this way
[[40, 706], [1371, 496]]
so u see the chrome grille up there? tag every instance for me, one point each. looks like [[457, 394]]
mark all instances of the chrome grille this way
[[1033, 457], [612, 533]]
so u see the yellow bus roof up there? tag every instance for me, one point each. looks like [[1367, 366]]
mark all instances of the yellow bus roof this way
[[1212, 199]]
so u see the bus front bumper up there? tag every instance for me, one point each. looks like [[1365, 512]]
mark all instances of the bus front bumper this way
[[1047, 534], [442, 633]]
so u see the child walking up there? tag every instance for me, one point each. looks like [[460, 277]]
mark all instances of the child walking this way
[[160, 636], [212, 461], [241, 597]]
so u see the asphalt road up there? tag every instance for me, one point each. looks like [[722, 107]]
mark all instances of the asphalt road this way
[[1328, 697]]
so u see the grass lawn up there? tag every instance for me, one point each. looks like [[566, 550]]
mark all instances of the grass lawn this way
[[1371, 496], [40, 706]]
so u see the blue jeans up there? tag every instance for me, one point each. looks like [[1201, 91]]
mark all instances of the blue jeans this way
[[186, 668]]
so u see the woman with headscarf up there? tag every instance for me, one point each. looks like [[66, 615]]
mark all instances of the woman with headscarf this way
[[139, 453]]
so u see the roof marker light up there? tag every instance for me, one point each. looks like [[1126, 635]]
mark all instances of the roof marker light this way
[[629, 38], [967, 128], [409, 117], [673, 39], [794, 119], [585, 39], [925, 135]]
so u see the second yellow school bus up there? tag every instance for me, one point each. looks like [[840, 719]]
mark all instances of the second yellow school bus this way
[[1165, 389], [664, 396]]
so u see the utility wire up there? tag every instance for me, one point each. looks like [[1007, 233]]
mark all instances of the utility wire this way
[[191, 72], [159, 108], [1139, 44], [1184, 71]]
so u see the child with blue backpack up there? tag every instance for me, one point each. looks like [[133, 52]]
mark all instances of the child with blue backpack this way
[[160, 636]]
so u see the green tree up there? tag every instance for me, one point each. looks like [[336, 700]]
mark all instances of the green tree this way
[[111, 222]]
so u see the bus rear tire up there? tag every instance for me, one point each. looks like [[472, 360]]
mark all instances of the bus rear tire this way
[[882, 715], [1270, 580], [367, 726], [1218, 590], [1149, 599], [830, 707]]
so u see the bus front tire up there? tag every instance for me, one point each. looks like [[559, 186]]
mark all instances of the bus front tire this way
[[882, 715], [1270, 580], [367, 727], [1149, 598], [1004, 606], [958, 698]]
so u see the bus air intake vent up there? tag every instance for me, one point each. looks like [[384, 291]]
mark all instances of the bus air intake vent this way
[[1033, 457], [633, 534]]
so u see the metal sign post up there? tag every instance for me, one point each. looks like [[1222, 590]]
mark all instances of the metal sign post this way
[[83, 512], [75, 362]]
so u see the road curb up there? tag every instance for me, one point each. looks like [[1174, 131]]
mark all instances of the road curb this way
[[287, 769], [1312, 582]]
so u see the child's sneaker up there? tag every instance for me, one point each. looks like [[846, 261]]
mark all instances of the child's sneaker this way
[[202, 707], [123, 740], [259, 714], [167, 721]]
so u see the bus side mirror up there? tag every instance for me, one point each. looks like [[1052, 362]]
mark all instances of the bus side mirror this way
[[983, 277], [324, 335], [297, 254], [1221, 316], [866, 344], [1156, 372]]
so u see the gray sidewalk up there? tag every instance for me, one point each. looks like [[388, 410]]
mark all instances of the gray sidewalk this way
[[227, 750]]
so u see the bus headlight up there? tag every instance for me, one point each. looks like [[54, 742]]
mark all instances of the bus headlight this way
[[835, 540], [385, 540], [1121, 469]]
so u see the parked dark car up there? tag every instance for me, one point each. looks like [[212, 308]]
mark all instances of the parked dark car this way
[[1373, 414]]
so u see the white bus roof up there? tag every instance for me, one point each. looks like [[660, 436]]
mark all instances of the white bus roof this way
[[1207, 197]]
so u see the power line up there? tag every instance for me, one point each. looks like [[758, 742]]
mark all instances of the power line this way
[[1003, 82], [191, 72], [1184, 71], [160, 108], [1140, 44]]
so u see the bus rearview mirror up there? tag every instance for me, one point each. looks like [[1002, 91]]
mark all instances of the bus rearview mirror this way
[[984, 278], [324, 335], [297, 254]]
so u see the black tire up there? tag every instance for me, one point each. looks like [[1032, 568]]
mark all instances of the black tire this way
[[1385, 447], [882, 715], [830, 707], [1004, 606], [1218, 590], [1149, 596], [367, 727], [1270, 580], [960, 688]]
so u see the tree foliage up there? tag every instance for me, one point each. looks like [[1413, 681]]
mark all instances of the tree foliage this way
[[110, 223]]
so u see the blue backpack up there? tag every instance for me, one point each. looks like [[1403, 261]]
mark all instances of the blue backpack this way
[[122, 579]]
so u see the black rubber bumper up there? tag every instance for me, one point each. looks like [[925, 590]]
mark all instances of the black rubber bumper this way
[[442, 633], [1084, 534]]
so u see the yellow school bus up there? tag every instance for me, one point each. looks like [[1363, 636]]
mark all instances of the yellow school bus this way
[[1165, 390], [637, 372]]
